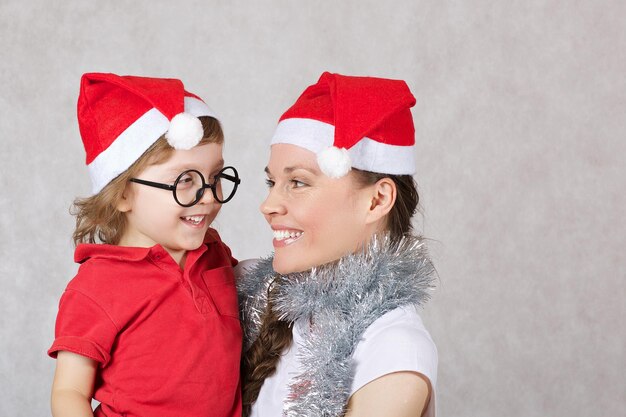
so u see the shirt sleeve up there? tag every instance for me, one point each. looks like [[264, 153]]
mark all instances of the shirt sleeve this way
[[83, 327], [395, 342]]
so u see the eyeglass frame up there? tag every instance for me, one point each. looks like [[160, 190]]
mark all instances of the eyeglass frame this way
[[200, 193]]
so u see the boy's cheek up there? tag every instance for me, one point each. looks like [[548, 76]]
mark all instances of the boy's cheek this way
[[214, 213]]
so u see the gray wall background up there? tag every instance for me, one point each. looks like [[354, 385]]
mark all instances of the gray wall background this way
[[520, 119]]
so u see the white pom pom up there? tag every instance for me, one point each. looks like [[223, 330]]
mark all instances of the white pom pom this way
[[334, 162], [185, 131]]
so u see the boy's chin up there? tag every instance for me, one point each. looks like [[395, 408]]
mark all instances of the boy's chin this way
[[195, 244]]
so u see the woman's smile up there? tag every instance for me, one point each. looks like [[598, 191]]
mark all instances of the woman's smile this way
[[285, 237]]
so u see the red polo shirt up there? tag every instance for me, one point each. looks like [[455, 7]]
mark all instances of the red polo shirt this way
[[168, 340]]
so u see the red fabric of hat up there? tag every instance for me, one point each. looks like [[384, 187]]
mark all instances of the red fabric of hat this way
[[109, 103], [357, 108], [120, 117]]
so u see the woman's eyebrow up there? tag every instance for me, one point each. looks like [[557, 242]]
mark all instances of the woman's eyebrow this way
[[289, 170]]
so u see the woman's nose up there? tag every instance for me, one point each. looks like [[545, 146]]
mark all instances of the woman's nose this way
[[273, 204]]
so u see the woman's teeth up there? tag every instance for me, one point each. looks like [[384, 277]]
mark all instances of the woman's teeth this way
[[194, 219], [284, 234]]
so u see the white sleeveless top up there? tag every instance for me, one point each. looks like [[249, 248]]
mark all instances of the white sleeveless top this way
[[396, 341]]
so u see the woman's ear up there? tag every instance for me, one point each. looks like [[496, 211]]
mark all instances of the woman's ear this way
[[383, 198], [124, 204]]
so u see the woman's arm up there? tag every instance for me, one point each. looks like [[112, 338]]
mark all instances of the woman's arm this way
[[399, 394], [72, 388]]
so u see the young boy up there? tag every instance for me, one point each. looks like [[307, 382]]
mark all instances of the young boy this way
[[149, 326]]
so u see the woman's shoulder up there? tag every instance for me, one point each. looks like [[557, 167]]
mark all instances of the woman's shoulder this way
[[253, 277], [403, 321], [397, 341], [253, 274], [245, 266]]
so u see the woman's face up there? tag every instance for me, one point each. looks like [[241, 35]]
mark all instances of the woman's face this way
[[315, 219]]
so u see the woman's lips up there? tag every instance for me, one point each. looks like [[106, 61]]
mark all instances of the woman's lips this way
[[285, 237]]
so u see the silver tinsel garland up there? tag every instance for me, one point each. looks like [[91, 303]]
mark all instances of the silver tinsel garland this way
[[340, 300]]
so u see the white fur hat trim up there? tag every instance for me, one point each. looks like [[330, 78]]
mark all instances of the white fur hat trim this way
[[185, 131], [334, 162]]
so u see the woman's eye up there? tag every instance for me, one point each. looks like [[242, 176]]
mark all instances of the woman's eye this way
[[269, 183], [298, 184]]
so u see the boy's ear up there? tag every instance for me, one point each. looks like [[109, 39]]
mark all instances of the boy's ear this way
[[124, 204], [383, 198]]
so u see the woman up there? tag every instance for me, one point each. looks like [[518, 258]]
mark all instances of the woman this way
[[330, 322]]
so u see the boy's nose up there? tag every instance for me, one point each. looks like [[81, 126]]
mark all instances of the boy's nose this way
[[207, 197]]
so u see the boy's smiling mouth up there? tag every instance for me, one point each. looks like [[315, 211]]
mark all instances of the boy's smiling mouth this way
[[194, 220]]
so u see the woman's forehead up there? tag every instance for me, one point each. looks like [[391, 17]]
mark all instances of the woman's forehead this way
[[285, 158]]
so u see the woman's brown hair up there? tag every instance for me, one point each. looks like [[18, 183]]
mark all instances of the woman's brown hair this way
[[260, 360], [97, 217]]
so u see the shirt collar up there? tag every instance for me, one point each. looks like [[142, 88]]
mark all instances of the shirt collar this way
[[86, 251]]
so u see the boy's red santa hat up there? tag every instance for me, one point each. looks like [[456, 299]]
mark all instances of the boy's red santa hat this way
[[360, 122], [120, 117]]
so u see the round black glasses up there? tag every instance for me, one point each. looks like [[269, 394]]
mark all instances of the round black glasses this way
[[190, 185]]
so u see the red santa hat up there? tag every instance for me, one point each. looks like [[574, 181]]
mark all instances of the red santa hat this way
[[361, 122], [120, 117]]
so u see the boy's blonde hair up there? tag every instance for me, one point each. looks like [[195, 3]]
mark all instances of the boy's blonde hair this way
[[97, 217]]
